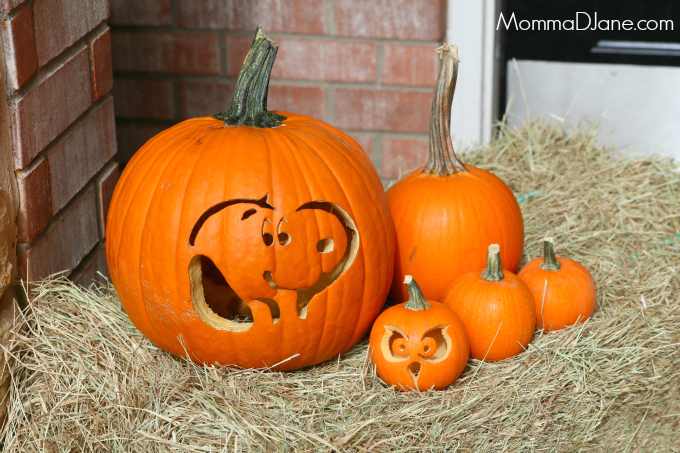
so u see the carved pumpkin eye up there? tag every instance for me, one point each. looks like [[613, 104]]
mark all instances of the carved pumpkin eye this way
[[268, 238], [435, 345], [394, 345], [284, 238], [325, 245], [428, 347], [400, 347]]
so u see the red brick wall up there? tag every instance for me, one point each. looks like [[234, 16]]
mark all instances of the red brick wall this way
[[58, 62], [366, 66]]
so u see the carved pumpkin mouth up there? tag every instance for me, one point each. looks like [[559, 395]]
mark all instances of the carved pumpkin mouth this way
[[218, 304]]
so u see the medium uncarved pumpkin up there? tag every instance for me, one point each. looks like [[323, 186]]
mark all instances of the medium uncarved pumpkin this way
[[497, 308], [420, 344], [564, 290], [446, 213], [251, 238]]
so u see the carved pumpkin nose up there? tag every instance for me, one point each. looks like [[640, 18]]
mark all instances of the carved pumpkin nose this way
[[414, 370]]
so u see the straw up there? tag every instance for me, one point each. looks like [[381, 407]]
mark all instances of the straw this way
[[84, 379]]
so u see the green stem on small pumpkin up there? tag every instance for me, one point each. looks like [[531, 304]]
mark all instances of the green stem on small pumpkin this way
[[549, 263], [443, 160], [416, 301], [494, 268], [249, 104]]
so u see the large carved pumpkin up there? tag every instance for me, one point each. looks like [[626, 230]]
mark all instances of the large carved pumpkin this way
[[251, 238]]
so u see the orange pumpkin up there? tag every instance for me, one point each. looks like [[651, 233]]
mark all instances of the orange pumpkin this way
[[252, 238], [496, 307], [420, 344], [446, 213], [564, 290]]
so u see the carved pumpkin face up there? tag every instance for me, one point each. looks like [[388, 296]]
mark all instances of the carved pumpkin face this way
[[287, 255], [253, 247], [419, 345]]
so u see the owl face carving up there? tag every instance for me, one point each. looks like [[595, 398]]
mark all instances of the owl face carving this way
[[419, 349], [416, 354]]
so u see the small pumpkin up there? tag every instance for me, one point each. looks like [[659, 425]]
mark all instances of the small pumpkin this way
[[446, 213], [497, 308], [251, 238], [564, 290], [420, 344]]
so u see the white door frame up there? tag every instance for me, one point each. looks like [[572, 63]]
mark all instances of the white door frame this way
[[471, 25]]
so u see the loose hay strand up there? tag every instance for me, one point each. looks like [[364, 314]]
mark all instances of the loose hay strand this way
[[83, 378]]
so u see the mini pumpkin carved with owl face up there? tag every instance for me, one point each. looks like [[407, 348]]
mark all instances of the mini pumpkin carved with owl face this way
[[420, 344]]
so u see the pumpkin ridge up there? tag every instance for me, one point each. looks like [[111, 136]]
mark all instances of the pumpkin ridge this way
[[322, 155], [119, 194], [360, 251], [322, 130], [143, 224], [129, 170], [493, 184], [294, 163], [177, 160], [410, 196], [209, 141], [501, 226]]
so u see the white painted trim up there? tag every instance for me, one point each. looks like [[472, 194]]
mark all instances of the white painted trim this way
[[636, 107], [471, 25]]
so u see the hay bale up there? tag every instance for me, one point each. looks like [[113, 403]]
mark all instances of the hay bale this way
[[86, 379]]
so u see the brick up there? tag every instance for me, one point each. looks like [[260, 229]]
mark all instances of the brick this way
[[81, 154], [19, 47], [365, 141], [106, 183], [308, 59], [97, 265], [60, 23], [207, 98], [102, 70], [65, 244], [300, 16], [144, 98], [136, 12], [49, 108], [395, 19], [401, 155], [410, 65], [35, 209], [8, 5], [166, 52], [310, 101], [383, 110], [131, 137]]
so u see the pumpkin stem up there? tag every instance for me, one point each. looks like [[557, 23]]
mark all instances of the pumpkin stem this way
[[249, 104], [416, 301], [494, 268], [549, 262], [443, 160]]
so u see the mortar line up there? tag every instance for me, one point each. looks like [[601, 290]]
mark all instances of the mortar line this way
[[51, 67], [62, 136]]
